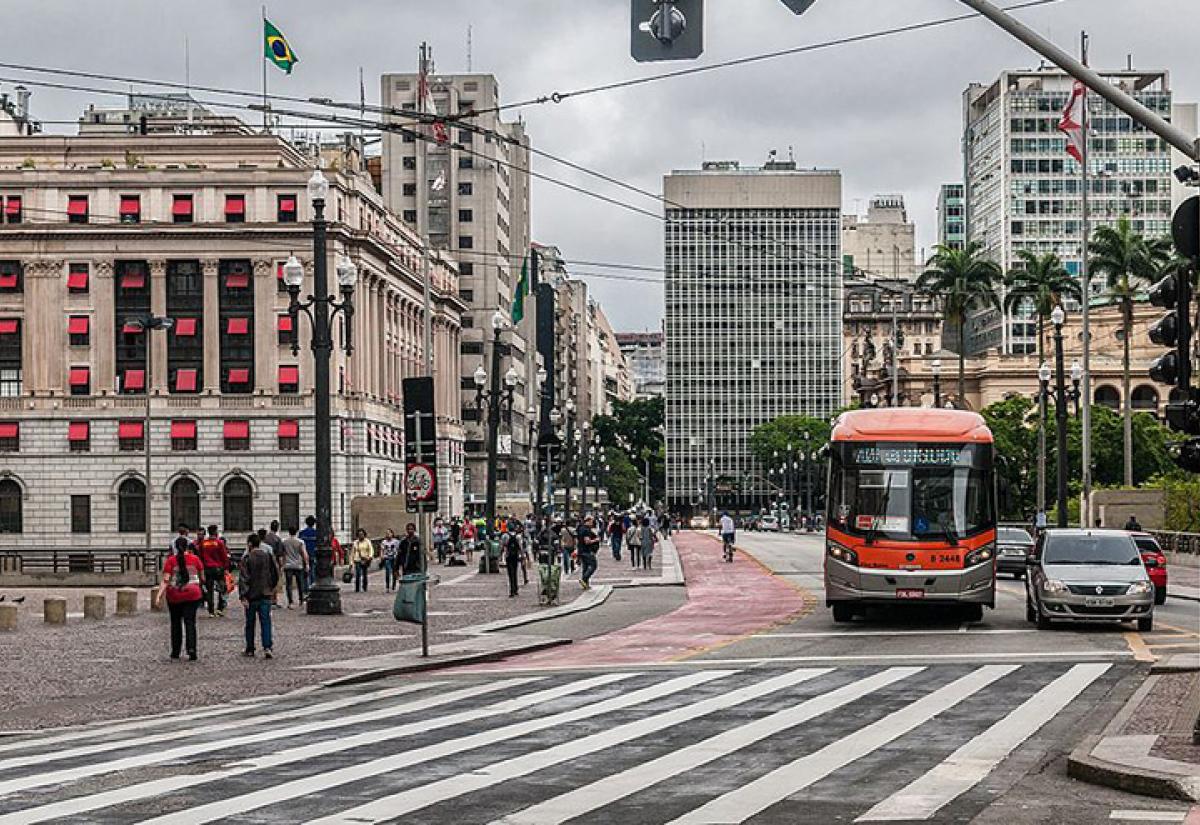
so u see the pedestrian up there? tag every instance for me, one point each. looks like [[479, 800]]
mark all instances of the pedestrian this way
[[455, 535], [182, 531], [389, 548], [567, 543], [512, 549], [409, 554], [586, 544], [468, 539], [182, 574], [214, 555], [309, 536], [273, 542], [335, 546], [295, 563], [441, 537], [648, 537], [256, 583], [1132, 525], [633, 542], [361, 554], [616, 533]]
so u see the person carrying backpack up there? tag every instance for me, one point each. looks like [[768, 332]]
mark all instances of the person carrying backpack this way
[[256, 585], [214, 555], [180, 586], [510, 547]]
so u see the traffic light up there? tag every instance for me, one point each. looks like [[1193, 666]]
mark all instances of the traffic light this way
[[1174, 293], [1167, 294], [667, 30], [1187, 455]]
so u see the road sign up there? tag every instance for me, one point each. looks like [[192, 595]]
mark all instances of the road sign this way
[[420, 446], [420, 483], [667, 30]]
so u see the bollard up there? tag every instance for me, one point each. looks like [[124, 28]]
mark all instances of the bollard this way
[[93, 606], [127, 601], [8, 617], [157, 602], [54, 610]]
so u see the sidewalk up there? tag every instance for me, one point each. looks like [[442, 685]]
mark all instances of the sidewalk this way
[[1183, 582]]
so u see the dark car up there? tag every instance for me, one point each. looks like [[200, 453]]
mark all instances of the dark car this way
[[1088, 576], [1013, 546]]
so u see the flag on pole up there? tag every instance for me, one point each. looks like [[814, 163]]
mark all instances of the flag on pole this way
[[1072, 121], [277, 49], [518, 304], [438, 130]]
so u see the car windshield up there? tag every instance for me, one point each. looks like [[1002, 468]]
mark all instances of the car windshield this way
[[1013, 535], [1090, 550]]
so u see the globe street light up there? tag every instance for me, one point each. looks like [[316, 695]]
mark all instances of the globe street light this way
[[1058, 317], [1043, 374]]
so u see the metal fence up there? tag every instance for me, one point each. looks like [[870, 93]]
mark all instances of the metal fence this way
[[1181, 543], [78, 561]]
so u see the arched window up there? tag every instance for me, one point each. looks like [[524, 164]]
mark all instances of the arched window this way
[[1108, 397], [10, 506], [239, 506], [1145, 398], [131, 506], [185, 503]]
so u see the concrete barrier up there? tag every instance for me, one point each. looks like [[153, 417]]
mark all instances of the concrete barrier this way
[[8, 617], [157, 602], [127, 601], [54, 610], [94, 606]]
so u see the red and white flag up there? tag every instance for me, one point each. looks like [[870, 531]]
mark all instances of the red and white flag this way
[[438, 130], [1072, 121]]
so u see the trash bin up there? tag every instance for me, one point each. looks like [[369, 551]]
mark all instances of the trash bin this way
[[410, 599], [489, 557]]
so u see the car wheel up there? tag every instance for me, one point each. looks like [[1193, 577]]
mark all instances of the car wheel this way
[[1160, 595], [1146, 624], [973, 613], [1030, 612], [843, 612], [1043, 621]]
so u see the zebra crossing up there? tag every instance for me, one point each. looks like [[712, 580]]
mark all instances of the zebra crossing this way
[[821, 744]]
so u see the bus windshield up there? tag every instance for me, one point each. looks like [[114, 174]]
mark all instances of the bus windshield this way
[[910, 491]]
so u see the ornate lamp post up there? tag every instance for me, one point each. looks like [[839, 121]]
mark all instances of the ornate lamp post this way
[[1058, 317], [496, 401], [324, 598], [1043, 406], [147, 324]]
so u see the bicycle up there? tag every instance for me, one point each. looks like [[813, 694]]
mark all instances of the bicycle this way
[[727, 546]]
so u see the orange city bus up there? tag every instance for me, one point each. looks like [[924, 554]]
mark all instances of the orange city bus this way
[[911, 511]]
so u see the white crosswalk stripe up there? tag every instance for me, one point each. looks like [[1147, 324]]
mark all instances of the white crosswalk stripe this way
[[695, 746]]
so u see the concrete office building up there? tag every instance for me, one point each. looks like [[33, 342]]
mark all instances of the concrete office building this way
[[753, 318], [952, 216], [1024, 192], [103, 227], [478, 207], [646, 354], [883, 244]]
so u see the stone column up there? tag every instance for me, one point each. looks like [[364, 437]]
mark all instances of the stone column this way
[[156, 352], [104, 355], [45, 286], [212, 325]]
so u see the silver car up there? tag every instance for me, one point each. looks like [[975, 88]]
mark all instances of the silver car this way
[[1013, 546], [1088, 576]]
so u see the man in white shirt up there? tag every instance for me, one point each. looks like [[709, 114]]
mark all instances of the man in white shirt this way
[[726, 526]]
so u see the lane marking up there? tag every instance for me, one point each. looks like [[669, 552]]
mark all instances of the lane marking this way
[[309, 785], [755, 797], [611, 789], [1141, 653], [967, 766], [850, 634], [415, 799], [1149, 816], [1182, 630]]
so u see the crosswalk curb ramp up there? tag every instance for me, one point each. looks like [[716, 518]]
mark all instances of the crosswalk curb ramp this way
[[684, 745]]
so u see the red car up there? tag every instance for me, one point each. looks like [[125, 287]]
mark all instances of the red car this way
[[1156, 563]]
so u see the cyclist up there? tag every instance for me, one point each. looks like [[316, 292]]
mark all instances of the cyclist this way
[[727, 533]]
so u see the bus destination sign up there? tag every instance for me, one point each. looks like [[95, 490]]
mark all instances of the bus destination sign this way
[[912, 456]]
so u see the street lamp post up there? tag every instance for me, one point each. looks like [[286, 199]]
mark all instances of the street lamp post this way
[[534, 457], [1043, 405], [1058, 317], [324, 599], [496, 401], [147, 324], [1076, 378], [936, 368]]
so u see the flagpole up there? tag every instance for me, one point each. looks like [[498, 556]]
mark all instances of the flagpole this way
[[263, 58], [1085, 510]]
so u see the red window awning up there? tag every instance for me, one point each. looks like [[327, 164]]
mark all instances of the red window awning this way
[[8, 280], [13, 205], [238, 326], [239, 375], [134, 380], [80, 376], [287, 203], [9, 326], [78, 431], [285, 323], [182, 205], [129, 429], [131, 328], [185, 380], [10, 429], [237, 280], [133, 280], [235, 204], [78, 325], [289, 428], [77, 280], [279, 270], [183, 429], [289, 375], [237, 429], [185, 327], [77, 205], [131, 205]]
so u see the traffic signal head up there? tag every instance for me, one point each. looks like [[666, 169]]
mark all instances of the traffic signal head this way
[[1165, 293], [1171, 330], [1165, 331], [1187, 455], [1165, 369]]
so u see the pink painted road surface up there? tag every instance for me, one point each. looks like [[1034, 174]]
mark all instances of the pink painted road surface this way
[[725, 603]]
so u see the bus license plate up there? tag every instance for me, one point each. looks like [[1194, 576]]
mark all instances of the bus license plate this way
[[1095, 602], [910, 594]]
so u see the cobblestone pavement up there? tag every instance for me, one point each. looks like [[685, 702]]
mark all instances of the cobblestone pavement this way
[[54, 675]]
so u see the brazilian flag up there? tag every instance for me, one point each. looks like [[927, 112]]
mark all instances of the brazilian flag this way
[[518, 304], [278, 50]]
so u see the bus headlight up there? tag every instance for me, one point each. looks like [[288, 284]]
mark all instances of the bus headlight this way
[[980, 555], [1139, 589], [842, 554], [1054, 586]]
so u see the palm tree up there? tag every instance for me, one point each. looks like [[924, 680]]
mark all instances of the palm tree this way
[[1042, 281], [1127, 262], [964, 281]]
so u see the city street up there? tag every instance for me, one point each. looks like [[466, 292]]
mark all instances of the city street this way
[[781, 720]]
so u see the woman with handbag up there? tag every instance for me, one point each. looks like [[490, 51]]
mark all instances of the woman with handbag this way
[[182, 574], [361, 554]]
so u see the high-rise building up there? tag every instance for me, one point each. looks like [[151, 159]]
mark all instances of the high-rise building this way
[[478, 207], [646, 355], [952, 217], [753, 318], [884, 243], [1024, 192]]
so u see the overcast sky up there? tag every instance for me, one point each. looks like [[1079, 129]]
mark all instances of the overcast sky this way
[[887, 113]]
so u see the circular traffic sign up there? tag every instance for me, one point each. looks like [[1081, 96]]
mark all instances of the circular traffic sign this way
[[419, 482]]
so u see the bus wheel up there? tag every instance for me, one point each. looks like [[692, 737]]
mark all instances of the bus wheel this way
[[843, 612], [973, 613]]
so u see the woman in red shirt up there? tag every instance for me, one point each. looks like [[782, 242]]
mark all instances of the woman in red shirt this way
[[182, 574]]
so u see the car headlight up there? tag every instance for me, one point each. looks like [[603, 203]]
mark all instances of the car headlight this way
[[980, 555], [842, 554], [1139, 589], [1054, 586]]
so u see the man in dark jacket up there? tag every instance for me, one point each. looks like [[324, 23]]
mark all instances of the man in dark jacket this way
[[408, 556], [510, 546], [256, 586]]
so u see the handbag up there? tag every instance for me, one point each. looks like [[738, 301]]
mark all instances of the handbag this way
[[347, 576]]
